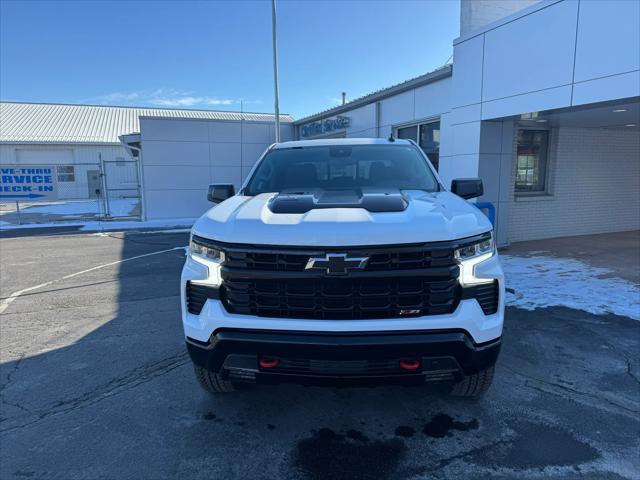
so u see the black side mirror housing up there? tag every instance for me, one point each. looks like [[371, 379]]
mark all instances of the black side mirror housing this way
[[219, 192], [467, 187]]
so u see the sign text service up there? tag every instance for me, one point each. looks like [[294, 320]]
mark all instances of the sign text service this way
[[28, 182]]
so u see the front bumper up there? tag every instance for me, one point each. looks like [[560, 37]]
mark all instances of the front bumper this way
[[351, 358]]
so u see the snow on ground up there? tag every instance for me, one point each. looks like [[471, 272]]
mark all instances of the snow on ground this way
[[122, 207], [171, 225], [118, 207], [542, 281]]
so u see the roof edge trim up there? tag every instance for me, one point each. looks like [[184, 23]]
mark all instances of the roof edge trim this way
[[442, 72], [136, 107]]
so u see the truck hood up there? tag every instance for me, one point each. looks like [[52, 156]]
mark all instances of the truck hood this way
[[429, 217]]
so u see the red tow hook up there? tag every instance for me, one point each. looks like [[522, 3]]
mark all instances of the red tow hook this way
[[268, 362], [409, 364]]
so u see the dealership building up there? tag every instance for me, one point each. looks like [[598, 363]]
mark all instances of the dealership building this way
[[542, 102], [99, 175]]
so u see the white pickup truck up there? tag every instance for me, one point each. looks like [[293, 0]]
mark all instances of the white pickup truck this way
[[344, 261]]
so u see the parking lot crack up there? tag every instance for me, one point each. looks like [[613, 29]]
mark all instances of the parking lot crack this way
[[16, 405], [10, 375], [629, 369], [3, 393], [569, 390], [83, 306], [116, 386]]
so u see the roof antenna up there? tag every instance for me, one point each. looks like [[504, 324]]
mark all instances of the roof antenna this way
[[391, 139]]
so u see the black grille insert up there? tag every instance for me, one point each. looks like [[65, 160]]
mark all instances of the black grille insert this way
[[341, 298], [338, 367], [487, 295], [363, 368], [291, 261], [197, 295]]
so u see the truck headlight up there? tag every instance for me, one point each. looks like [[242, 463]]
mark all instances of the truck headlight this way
[[206, 251], [470, 255], [476, 249]]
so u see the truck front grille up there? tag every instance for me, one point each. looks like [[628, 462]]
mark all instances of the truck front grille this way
[[397, 281], [404, 258], [341, 298]]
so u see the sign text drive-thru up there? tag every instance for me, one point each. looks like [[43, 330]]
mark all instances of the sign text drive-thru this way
[[22, 182]]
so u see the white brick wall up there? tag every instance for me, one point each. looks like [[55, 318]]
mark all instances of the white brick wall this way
[[594, 186]]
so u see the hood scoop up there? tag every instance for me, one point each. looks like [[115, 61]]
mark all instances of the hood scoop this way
[[373, 200]]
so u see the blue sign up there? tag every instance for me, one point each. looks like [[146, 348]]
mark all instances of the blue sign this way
[[19, 182], [324, 126]]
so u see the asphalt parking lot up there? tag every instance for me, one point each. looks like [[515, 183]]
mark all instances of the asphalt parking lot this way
[[96, 383]]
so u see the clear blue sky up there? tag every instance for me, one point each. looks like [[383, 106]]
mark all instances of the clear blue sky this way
[[212, 54]]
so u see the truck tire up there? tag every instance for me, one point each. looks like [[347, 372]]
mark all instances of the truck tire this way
[[213, 382], [474, 385]]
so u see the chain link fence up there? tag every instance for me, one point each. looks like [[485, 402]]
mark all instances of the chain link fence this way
[[69, 193]]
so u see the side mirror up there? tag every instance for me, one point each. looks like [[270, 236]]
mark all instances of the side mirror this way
[[467, 187], [220, 192]]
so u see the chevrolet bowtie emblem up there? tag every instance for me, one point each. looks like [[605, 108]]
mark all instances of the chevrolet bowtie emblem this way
[[336, 263]]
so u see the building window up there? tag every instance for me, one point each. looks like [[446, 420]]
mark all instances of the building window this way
[[66, 173], [409, 133], [427, 135], [531, 161], [430, 141]]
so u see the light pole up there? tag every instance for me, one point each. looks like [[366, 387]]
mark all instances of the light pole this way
[[275, 68]]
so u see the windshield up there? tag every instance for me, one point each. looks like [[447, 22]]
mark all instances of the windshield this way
[[342, 167]]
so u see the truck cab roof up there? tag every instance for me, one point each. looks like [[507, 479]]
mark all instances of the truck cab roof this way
[[340, 142]]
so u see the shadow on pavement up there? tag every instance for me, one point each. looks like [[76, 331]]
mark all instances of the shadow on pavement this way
[[112, 395], [34, 231]]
